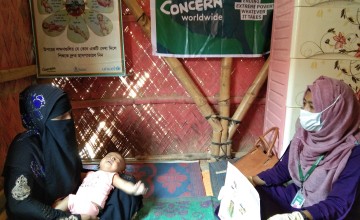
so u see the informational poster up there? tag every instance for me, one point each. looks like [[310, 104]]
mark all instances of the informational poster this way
[[211, 28], [78, 37], [239, 198]]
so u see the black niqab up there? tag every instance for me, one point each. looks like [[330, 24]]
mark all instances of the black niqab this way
[[38, 105]]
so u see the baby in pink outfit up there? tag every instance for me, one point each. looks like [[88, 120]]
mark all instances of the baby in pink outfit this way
[[96, 186]]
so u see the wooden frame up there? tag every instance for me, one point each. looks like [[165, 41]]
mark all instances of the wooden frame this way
[[78, 38]]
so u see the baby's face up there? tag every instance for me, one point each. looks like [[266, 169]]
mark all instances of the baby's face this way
[[112, 162]]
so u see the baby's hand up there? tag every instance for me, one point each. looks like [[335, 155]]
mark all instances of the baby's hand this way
[[140, 189]]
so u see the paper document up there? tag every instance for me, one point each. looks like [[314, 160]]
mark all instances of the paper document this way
[[239, 198]]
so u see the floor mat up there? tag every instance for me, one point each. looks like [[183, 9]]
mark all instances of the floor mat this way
[[201, 208], [218, 174], [169, 180]]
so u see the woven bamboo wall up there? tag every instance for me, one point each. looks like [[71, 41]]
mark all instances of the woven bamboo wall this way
[[16, 51], [146, 113]]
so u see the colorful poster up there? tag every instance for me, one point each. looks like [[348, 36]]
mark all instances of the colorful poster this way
[[78, 37], [211, 28]]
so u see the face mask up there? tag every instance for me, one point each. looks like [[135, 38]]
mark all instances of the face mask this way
[[312, 121]]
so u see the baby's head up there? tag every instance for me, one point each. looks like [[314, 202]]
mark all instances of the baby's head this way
[[112, 162]]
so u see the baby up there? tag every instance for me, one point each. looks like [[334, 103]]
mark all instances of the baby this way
[[96, 186]]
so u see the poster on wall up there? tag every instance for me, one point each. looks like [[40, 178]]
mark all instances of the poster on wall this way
[[78, 37], [211, 28]]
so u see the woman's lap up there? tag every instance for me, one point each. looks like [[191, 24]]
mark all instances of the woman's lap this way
[[120, 205], [275, 200]]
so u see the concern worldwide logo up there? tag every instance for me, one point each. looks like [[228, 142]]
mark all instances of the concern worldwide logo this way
[[200, 6]]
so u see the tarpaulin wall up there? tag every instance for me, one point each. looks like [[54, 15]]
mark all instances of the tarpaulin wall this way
[[146, 113]]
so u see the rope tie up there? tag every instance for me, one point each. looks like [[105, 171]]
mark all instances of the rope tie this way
[[224, 118]]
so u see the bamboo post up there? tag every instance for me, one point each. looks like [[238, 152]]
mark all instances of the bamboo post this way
[[17, 73], [184, 78], [249, 98], [185, 157], [141, 101], [224, 103]]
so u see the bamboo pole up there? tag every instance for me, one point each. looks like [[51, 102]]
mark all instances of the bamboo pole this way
[[199, 100], [249, 98], [184, 78], [81, 104], [168, 157], [171, 157], [17, 73], [224, 104]]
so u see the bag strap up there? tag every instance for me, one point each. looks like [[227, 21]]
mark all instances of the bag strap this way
[[268, 147]]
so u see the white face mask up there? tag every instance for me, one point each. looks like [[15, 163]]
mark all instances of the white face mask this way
[[312, 121]]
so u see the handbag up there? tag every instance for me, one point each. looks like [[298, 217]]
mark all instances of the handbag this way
[[261, 157]]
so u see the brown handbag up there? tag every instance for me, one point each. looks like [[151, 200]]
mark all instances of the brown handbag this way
[[261, 157]]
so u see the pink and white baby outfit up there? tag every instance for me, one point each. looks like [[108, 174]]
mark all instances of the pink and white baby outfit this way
[[92, 193]]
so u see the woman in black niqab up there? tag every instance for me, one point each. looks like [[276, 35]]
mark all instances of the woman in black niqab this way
[[42, 163]]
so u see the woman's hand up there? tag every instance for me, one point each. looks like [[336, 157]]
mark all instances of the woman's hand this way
[[250, 178], [256, 181], [287, 216], [61, 204], [297, 215]]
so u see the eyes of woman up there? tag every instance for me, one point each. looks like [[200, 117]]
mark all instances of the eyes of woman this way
[[308, 105], [307, 102], [65, 116]]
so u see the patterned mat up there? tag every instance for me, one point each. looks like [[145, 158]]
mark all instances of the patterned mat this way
[[169, 180], [197, 208]]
